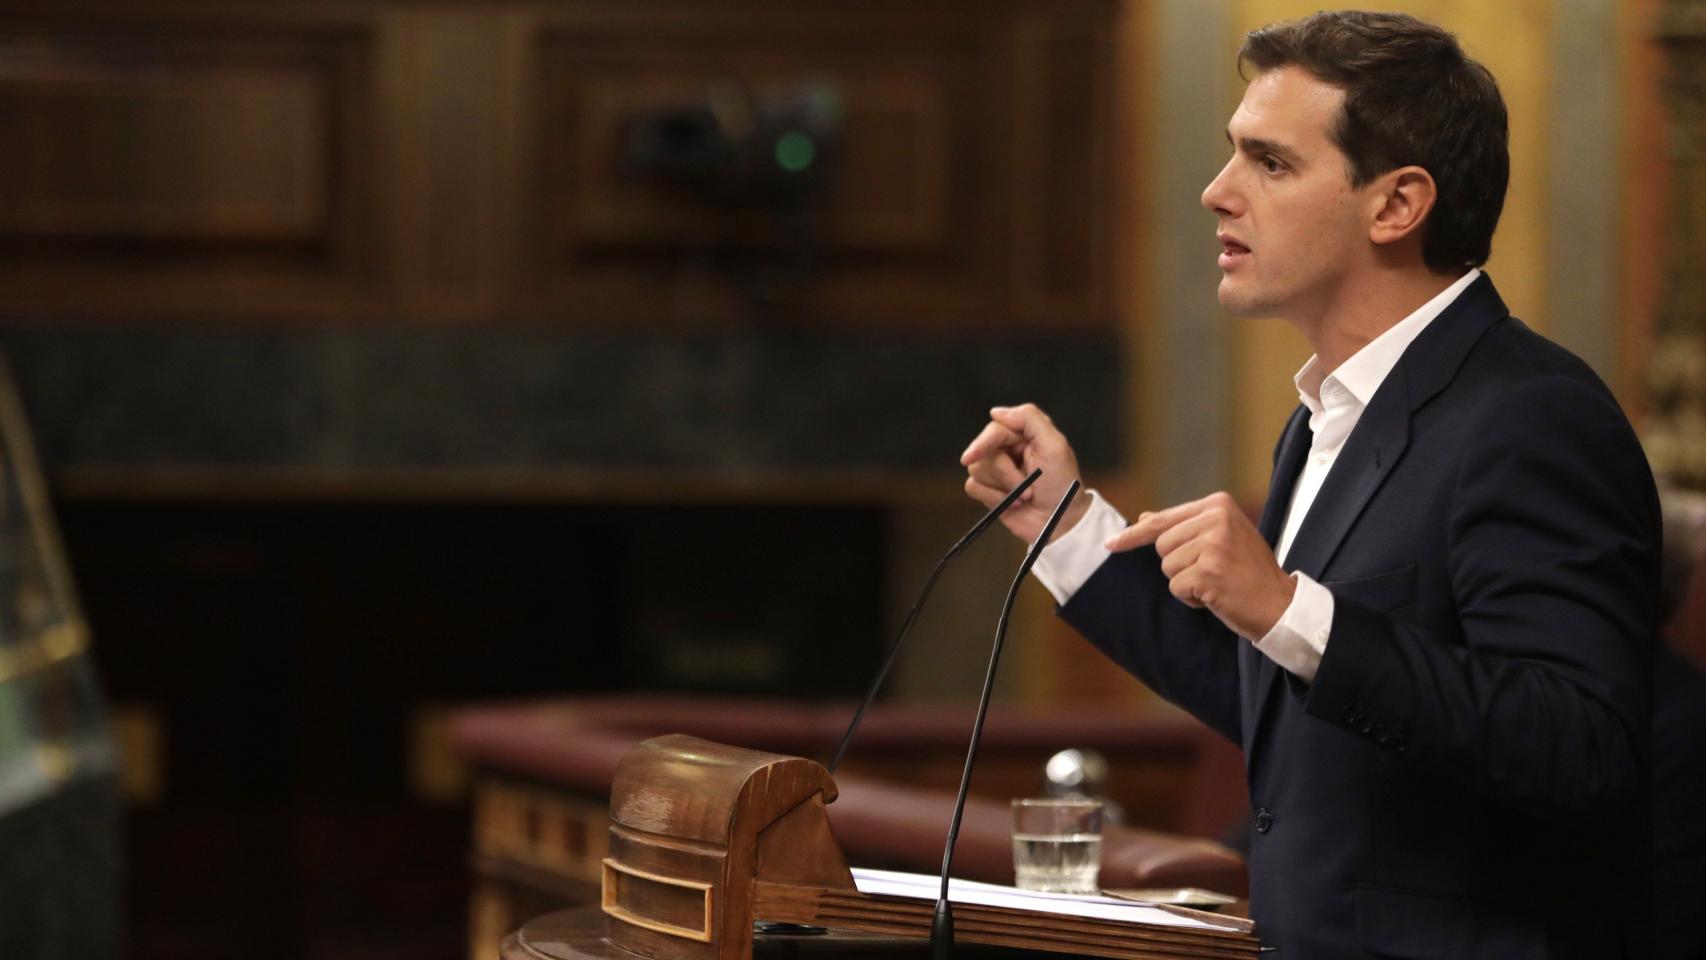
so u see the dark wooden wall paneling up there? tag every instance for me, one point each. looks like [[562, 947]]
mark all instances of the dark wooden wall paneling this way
[[384, 162]]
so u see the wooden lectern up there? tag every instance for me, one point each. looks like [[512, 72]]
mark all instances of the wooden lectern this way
[[706, 838]]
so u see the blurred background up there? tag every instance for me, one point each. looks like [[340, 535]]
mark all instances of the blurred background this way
[[389, 356]]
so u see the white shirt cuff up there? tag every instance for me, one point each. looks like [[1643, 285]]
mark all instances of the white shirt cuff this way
[[1298, 641], [1075, 555]]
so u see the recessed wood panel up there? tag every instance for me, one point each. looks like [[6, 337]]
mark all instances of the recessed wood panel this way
[[185, 166], [115, 151]]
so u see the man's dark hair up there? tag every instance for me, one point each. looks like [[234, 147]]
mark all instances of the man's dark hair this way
[[1412, 97]]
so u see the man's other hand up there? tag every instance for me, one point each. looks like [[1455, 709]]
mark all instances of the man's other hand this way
[[1016, 441], [1214, 557]]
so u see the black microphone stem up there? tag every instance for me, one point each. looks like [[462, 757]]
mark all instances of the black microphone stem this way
[[942, 922], [918, 605]]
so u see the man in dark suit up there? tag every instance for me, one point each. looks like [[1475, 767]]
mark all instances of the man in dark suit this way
[[1435, 646]]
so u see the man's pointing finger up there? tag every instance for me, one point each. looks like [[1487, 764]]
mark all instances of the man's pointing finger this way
[[1150, 526]]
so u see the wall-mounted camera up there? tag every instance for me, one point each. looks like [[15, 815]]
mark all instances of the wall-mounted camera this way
[[732, 148]]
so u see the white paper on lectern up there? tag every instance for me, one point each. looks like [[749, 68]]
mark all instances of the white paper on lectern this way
[[919, 886]]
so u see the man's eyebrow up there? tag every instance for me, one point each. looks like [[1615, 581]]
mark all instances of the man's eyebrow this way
[[1260, 146]]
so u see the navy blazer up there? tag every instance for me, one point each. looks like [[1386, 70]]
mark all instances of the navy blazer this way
[[1465, 776]]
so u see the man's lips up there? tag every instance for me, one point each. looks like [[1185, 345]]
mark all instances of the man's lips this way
[[1231, 251]]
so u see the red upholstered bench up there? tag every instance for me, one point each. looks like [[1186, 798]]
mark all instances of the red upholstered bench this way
[[544, 772]]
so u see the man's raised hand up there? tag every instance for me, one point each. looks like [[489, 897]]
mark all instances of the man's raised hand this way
[[1214, 557], [1016, 441]]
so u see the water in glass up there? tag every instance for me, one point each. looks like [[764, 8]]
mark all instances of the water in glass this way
[[1063, 863]]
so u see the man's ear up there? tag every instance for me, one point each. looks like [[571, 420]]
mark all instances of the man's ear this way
[[1404, 199]]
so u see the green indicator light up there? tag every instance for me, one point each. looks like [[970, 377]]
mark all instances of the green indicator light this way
[[795, 152]]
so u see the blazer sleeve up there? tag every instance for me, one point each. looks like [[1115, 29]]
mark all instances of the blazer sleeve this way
[[1542, 702], [1186, 655]]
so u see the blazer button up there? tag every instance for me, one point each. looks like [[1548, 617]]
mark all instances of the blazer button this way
[[1264, 820]]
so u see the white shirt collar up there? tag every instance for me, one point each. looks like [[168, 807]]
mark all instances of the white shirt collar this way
[[1362, 374]]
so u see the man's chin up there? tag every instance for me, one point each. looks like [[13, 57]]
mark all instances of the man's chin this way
[[1236, 301]]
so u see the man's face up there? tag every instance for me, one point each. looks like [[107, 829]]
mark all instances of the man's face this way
[[1291, 226]]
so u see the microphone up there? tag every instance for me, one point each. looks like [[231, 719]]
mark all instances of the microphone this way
[[942, 922], [918, 605]]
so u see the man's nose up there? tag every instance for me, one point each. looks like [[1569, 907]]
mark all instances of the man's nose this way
[[1218, 196]]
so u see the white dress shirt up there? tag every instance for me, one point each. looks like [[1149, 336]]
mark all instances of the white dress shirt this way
[[1335, 402]]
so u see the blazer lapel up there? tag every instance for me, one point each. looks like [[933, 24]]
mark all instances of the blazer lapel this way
[[1288, 463]]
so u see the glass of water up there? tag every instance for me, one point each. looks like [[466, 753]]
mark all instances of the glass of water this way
[[1057, 844]]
